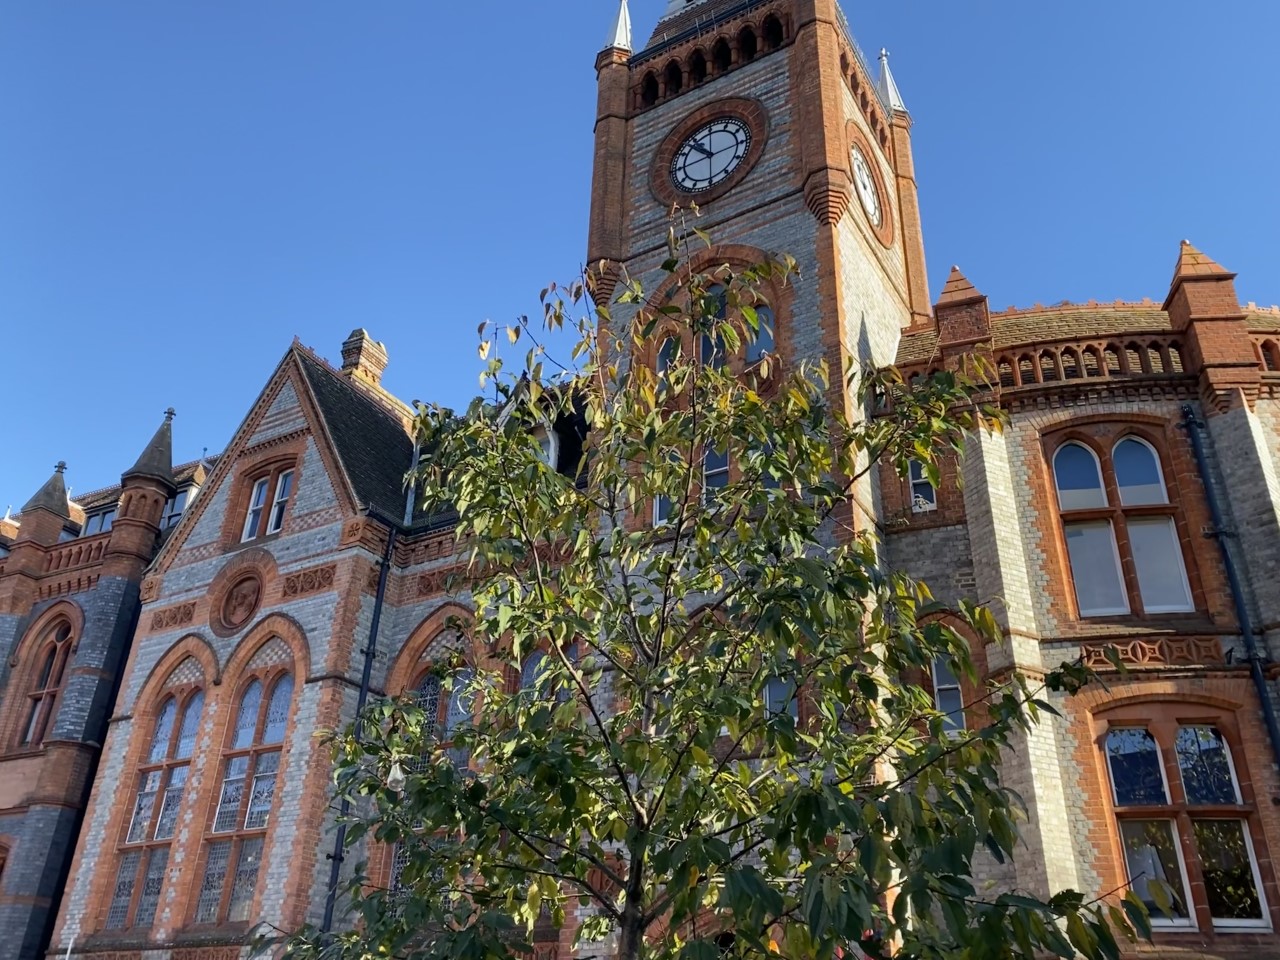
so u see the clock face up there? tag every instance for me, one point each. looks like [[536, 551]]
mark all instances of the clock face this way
[[710, 154], [866, 186]]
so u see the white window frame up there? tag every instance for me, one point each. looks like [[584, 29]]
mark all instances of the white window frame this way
[[1164, 487], [707, 496], [1115, 556], [253, 515], [915, 476], [1188, 922], [280, 502], [1189, 605], [964, 721], [1263, 923], [1164, 774]]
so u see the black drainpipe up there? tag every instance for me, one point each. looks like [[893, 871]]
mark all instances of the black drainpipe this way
[[370, 651], [1220, 533]]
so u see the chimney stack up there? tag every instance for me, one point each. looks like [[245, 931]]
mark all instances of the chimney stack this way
[[363, 358]]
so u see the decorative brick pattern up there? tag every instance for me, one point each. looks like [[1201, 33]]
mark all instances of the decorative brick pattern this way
[[309, 581], [188, 671], [171, 617], [1160, 652]]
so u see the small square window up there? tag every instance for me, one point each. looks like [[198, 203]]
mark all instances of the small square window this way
[[924, 496]]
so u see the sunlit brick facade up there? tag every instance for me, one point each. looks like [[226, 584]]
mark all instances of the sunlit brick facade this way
[[1143, 442]]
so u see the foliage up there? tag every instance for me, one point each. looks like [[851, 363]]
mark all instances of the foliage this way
[[729, 731]]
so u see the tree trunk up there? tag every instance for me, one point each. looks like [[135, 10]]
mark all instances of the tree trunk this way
[[631, 934]]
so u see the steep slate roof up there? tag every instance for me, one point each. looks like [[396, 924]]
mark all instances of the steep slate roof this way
[[371, 442], [681, 18]]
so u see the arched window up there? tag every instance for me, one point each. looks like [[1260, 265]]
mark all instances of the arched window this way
[[1123, 547], [697, 67], [674, 78], [947, 695], [1219, 884], [760, 341], [250, 766], [668, 354], [747, 47], [162, 782], [51, 653], [773, 32], [649, 90], [721, 55]]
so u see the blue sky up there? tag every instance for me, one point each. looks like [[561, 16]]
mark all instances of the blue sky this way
[[184, 186]]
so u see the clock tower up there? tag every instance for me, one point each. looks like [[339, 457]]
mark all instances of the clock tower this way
[[766, 115]]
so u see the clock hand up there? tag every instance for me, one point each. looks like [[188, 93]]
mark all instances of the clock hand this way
[[700, 148]]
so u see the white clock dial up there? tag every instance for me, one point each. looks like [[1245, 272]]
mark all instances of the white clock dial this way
[[710, 154], [866, 186]]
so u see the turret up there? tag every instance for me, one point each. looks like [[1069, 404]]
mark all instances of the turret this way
[[144, 489], [47, 513], [908, 199], [1202, 303], [608, 182]]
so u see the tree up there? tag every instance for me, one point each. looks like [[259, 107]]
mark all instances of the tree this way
[[725, 747]]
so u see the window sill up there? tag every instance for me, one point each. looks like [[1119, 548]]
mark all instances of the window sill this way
[[255, 542]]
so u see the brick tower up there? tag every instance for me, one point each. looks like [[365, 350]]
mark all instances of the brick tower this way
[[766, 116]]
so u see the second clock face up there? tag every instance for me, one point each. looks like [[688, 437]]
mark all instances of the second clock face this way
[[710, 154], [866, 186]]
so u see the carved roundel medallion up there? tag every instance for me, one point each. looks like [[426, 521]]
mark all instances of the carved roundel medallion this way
[[240, 602]]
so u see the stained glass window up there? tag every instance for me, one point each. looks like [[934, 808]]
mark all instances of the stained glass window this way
[[163, 731], [228, 815], [142, 807], [168, 819], [190, 728], [122, 895], [215, 873], [245, 880], [152, 884], [278, 710], [247, 718], [264, 788]]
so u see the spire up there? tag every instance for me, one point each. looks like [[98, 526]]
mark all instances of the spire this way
[[889, 89], [52, 496], [620, 33], [957, 289], [157, 459], [1193, 263]]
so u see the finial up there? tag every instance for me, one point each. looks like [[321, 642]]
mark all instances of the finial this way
[[888, 89], [60, 466], [619, 37], [169, 415], [8, 512]]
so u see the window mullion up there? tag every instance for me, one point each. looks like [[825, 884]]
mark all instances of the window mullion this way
[[229, 878]]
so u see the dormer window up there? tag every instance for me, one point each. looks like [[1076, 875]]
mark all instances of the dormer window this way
[[98, 522], [550, 445], [175, 506], [268, 501]]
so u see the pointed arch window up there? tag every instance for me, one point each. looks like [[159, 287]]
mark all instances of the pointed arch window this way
[[250, 767], [41, 704], [1121, 536], [161, 785]]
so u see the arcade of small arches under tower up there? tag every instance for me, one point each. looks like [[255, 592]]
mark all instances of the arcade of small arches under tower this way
[[706, 61]]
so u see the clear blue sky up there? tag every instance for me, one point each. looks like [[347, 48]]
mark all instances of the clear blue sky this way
[[186, 185]]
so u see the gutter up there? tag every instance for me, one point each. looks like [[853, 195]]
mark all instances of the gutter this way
[[1220, 533]]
